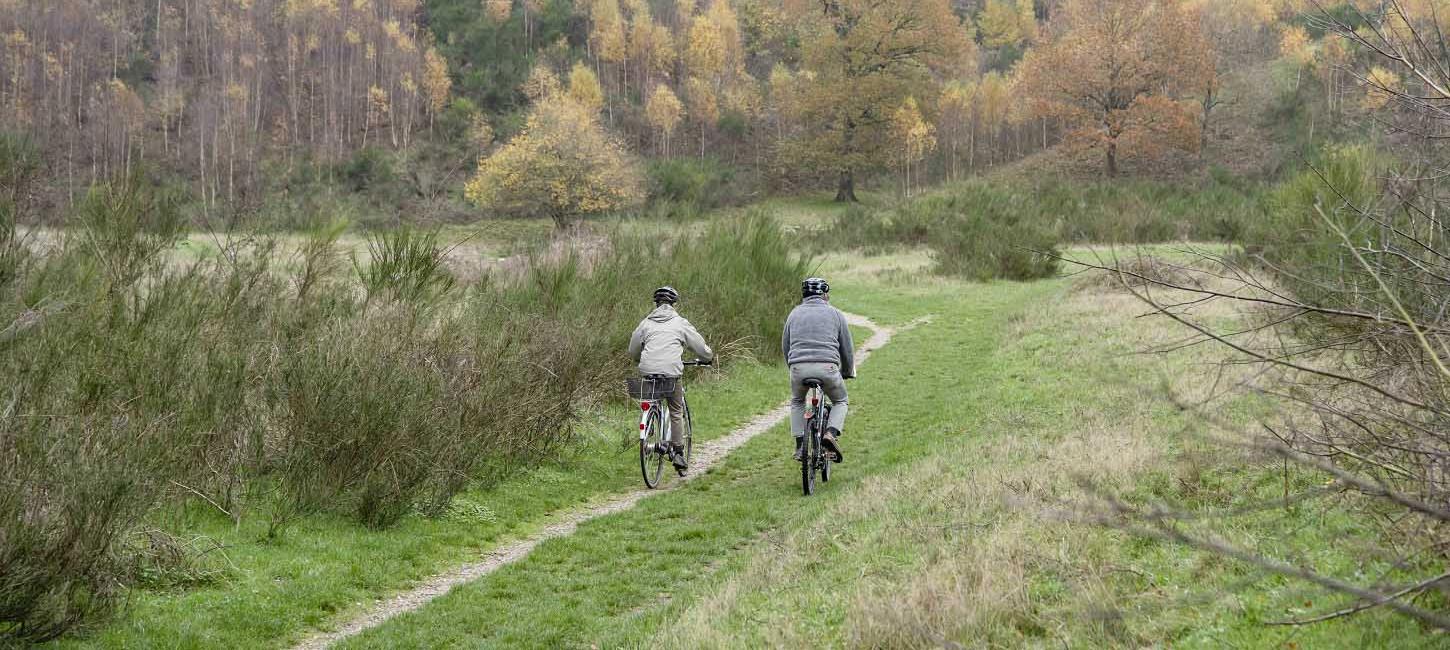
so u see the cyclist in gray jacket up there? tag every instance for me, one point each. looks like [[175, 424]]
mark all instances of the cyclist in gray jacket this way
[[817, 345], [657, 345]]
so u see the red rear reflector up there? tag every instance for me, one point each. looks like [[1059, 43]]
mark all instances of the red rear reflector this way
[[644, 406], [815, 402], [641, 426]]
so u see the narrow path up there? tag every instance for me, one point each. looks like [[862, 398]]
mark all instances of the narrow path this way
[[705, 457]]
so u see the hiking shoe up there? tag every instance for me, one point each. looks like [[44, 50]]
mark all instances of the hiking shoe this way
[[828, 440], [677, 457], [800, 448]]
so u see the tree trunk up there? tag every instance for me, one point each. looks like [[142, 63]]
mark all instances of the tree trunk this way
[[1112, 158], [846, 188], [1209, 102]]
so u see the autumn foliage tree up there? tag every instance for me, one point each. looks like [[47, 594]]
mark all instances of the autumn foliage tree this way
[[863, 58], [563, 165], [664, 112], [1116, 73], [914, 138]]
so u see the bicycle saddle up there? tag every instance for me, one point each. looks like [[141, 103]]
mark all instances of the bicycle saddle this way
[[813, 383]]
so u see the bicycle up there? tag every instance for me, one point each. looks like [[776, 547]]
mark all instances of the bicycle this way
[[654, 424], [814, 457]]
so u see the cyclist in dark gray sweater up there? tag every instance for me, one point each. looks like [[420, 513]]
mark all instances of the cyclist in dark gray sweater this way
[[817, 345]]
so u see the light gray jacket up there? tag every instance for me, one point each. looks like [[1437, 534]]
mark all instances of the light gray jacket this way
[[661, 338], [816, 332]]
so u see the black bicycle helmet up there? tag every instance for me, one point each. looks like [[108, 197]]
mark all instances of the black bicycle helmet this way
[[815, 287], [667, 294]]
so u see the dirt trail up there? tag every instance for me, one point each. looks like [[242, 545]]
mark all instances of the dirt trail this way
[[705, 457]]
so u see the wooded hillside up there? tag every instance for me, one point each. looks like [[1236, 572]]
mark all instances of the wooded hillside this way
[[229, 99]]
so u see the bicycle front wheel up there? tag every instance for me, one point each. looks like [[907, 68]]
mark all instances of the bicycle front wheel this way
[[825, 461], [651, 450], [689, 435]]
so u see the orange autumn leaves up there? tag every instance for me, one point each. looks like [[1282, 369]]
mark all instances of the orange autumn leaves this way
[[1117, 74]]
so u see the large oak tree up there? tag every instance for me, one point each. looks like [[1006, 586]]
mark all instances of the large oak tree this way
[[862, 59], [1116, 73]]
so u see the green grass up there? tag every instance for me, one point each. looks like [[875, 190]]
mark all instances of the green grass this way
[[966, 432], [815, 210], [570, 589], [328, 566]]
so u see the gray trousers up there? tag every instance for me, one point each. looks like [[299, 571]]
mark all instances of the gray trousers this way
[[829, 374], [676, 400]]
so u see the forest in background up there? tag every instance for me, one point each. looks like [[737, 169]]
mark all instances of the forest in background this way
[[277, 111]]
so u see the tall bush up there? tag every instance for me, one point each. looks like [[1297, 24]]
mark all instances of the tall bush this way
[[269, 384], [106, 382]]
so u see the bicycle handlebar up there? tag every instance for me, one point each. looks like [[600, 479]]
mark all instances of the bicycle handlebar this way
[[698, 362]]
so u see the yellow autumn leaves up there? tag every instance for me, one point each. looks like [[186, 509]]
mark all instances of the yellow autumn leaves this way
[[563, 164], [915, 138], [664, 112], [1329, 55]]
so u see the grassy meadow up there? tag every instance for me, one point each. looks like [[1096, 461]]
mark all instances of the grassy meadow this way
[[951, 523], [981, 445], [310, 306]]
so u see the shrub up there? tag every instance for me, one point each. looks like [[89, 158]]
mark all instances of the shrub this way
[[406, 264], [996, 243], [1294, 237], [981, 234], [138, 383], [737, 279], [106, 387], [986, 230], [705, 183], [20, 166], [369, 168]]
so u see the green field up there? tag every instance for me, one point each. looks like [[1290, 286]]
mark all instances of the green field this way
[[968, 433], [328, 567], [950, 523]]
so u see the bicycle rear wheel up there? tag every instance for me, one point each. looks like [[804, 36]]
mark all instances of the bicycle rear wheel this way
[[651, 454]]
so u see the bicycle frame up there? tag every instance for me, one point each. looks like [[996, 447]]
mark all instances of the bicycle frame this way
[[814, 397], [663, 407], [813, 459]]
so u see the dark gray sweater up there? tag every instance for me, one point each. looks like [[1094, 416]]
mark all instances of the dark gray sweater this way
[[817, 332]]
